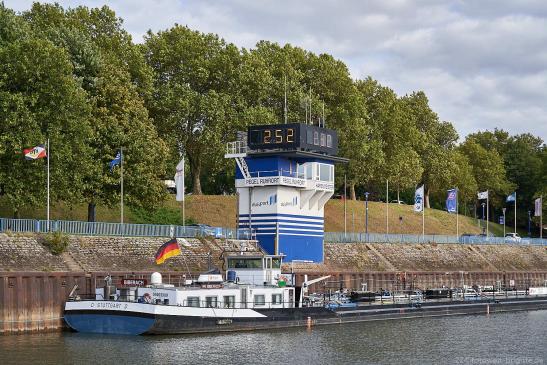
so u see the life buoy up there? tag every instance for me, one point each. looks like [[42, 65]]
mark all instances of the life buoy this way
[[147, 297], [282, 281]]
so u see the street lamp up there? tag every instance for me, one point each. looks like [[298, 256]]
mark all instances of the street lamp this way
[[366, 213], [401, 226], [483, 205], [504, 223], [529, 223]]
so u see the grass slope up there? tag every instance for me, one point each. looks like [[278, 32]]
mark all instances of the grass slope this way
[[220, 211]]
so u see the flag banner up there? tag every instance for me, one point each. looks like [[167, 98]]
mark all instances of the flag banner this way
[[538, 204], [179, 181], [451, 200], [35, 153], [512, 197], [116, 161], [419, 199], [168, 249], [482, 195]]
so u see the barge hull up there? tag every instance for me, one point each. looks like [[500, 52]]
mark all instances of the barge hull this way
[[135, 323], [188, 325]]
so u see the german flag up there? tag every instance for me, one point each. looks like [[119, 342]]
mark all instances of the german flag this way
[[168, 249]]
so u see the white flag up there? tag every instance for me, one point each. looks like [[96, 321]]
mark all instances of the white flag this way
[[483, 195], [538, 205], [179, 180], [419, 199]]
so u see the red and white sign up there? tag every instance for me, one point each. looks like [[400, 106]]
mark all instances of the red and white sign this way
[[134, 282]]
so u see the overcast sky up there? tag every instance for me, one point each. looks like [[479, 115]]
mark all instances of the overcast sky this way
[[483, 64]]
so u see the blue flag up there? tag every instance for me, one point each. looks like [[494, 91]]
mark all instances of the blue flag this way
[[512, 197], [419, 199], [451, 200], [116, 161]]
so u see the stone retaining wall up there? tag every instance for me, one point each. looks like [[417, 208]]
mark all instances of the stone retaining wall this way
[[86, 254]]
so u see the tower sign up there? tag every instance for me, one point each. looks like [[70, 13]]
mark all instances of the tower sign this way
[[284, 177]]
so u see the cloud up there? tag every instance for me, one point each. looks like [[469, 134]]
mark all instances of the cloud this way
[[483, 64]]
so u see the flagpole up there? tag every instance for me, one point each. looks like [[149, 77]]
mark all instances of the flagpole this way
[[457, 213], [121, 168], [387, 206], [345, 207], [47, 213], [183, 189], [487, 199], [515, 211], [541, 217], [423, 215]]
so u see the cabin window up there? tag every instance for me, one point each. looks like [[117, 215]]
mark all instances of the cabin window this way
[[329, 140], [309, 171], [276, 299], [259, 300], [309, 137], [211, 302], [323, 137], [276, 263], [229, 301], [326, 172], [238, 263], [316, 138], [193, 301], [301, 171]]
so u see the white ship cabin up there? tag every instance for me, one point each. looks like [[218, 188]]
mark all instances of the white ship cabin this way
[[251, 282]]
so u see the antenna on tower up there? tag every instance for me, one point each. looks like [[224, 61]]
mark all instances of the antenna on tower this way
[[285, 105]]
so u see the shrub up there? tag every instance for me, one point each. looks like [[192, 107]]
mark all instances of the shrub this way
[[157, 216], [55, 242]]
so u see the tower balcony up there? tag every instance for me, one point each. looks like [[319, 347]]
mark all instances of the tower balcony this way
[[297, 179]]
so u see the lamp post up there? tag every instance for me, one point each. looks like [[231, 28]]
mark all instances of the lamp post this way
[[529, 223], [401, 227], [504, 209], [366, 213], [483, 205]]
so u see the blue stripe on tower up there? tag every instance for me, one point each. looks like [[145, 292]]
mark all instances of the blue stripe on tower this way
[[274, 215]]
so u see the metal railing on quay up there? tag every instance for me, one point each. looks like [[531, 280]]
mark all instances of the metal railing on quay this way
[[121, 229], [362, 237], [158, 230]]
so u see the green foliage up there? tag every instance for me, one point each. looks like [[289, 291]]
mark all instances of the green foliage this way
[[193, 104], [40, 99], [162, 215], [115, 79], [55, 242]]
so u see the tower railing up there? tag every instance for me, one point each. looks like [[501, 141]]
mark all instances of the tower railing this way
[[280, 172], [236, 148]]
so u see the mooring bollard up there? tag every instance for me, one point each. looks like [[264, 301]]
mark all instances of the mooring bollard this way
[[308, 323]]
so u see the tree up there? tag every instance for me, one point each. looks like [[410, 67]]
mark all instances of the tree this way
[[192, 103], [488, 170], [399, 163], [115, 77], [435, 143], [39, 99], [464, 179], [523, 164]]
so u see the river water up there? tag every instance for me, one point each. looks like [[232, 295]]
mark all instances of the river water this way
[[500, 338]]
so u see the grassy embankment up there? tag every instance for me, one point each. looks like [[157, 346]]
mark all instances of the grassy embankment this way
[[221, 211]]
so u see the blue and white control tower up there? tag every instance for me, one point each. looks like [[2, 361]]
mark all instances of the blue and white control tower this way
[[284, 178]]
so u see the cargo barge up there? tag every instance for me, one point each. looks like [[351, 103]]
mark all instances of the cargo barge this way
[[255, 295]]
